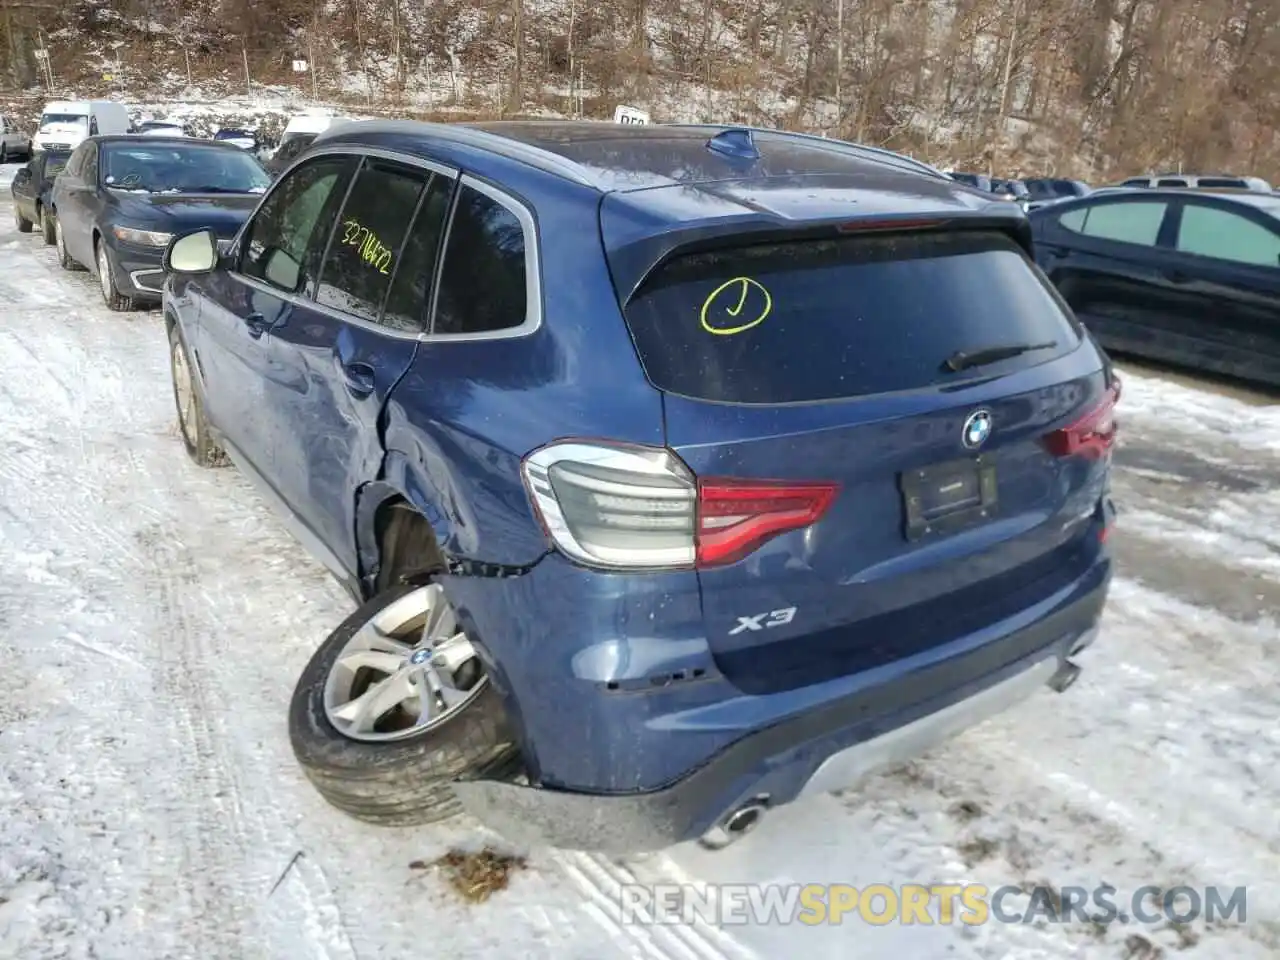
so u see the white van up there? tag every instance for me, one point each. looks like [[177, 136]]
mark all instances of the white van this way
[[65, 123], [297, 136]]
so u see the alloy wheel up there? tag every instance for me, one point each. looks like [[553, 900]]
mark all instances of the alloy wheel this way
[[183, 391], [406, 671], [104, 273]]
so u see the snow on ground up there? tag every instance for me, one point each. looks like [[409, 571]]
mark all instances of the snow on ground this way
[[156, 615]]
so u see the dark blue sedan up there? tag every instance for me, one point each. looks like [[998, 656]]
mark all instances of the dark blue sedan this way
[[121, 199]]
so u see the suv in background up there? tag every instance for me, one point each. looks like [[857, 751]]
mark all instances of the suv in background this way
[[1046, 190], [14, 140], [978, 181], [1200, 182], [676, 471], [1014, 190]]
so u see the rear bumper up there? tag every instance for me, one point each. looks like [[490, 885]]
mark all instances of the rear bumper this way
[[834, 744]]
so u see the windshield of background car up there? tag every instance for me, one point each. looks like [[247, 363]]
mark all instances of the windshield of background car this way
[[73, 118], [827, 319], [185, 168]]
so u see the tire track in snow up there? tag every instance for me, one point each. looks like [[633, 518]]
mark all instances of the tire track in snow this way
[[601, 882]]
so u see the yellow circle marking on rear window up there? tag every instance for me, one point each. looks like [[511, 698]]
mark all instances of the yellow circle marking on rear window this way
[[743, 287]]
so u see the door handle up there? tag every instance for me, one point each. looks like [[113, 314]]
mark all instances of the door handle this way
[[358, 376], [1177, 276], [257, 325]]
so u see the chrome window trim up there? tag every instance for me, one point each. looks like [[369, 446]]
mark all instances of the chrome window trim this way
[[532, 321]]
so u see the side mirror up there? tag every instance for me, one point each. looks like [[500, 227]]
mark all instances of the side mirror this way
[[22, 175], [195, 252]]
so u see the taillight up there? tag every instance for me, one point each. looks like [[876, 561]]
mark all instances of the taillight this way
[[736, 516], [630, 507], [1093, 435]]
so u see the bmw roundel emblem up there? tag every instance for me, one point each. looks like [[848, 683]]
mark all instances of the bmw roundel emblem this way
[[976, 429]]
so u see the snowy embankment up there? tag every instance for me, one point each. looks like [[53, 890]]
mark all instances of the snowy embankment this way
[[156, 615]]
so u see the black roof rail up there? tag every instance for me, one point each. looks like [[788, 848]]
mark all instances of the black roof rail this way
[[463, 135]]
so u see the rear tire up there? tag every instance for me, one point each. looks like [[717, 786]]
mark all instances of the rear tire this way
[[394, 782], [65, 260], [48, 228]]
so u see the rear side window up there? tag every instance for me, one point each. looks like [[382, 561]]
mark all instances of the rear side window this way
[[483, 281], [824, 320], [76, 163], [1171, 182], [1211, 232], [1219, 182], [366, 242]]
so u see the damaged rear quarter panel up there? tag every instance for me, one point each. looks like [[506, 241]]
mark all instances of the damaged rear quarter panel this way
[[467, 411]]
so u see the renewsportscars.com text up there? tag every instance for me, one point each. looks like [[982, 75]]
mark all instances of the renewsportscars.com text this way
[[883, 904]]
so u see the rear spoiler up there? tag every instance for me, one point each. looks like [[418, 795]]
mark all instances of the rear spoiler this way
[[644, 253]]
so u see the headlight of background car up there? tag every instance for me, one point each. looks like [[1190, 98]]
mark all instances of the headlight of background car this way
[[143, 238]]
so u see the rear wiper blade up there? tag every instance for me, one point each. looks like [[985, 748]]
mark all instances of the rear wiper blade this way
[[960, 360]]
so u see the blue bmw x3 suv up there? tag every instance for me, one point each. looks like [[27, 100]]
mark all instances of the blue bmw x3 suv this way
[[676, 471]]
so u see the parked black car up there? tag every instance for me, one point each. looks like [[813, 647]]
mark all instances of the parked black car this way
[[1011, 190], [120, 200], [978, 180], [1046, 190], [238, 137], [31, 187], [1186, 277], [290, 147]]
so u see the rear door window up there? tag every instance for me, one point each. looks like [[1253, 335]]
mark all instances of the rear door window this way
[[368, 239], [1213, 232], [412, 285], [824, 320]]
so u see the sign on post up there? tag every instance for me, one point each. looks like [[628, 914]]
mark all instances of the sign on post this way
[[634, 115], [42, 54], [299, 66]]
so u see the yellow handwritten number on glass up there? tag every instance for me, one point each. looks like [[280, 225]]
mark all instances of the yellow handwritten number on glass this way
[[746, 283]]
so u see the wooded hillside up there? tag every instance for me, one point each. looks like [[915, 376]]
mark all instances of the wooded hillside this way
[[1096, 88]]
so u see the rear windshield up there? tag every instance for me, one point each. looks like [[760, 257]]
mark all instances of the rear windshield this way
[[823, 320]]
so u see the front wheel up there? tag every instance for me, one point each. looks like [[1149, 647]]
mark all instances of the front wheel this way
[[111, 295], [197, 436], [65, 260], [393, 706]]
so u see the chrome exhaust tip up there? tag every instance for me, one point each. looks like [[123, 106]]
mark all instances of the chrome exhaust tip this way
[[736, 825]]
